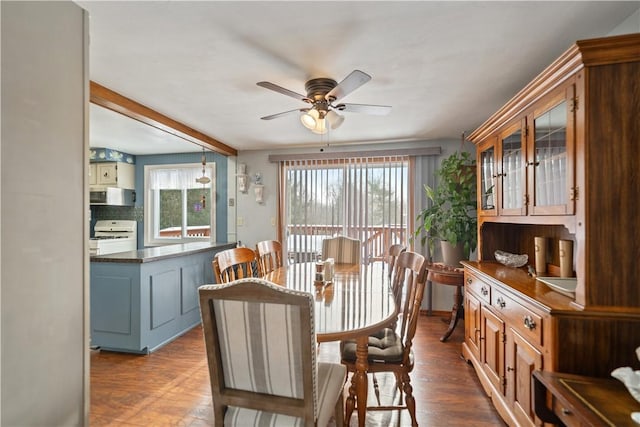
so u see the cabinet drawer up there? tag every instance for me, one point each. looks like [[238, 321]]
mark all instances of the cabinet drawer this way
[[518, 317], [479, 288], [566, 413]]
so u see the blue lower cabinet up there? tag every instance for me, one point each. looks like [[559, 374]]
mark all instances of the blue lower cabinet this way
[[140, 304]]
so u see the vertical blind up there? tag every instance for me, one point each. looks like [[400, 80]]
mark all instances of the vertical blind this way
[[366, 198]]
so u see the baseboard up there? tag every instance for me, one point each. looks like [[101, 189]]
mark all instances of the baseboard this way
[[435, 313]]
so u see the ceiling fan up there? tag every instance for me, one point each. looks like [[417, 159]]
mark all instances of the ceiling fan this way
[[322, 95]]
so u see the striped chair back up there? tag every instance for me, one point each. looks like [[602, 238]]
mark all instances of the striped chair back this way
[[260, 342], [344, 250]]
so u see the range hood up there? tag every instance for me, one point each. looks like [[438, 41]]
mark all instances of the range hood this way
[[112, 196]]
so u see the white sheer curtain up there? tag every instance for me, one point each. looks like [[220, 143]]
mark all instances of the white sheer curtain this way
[[366, 198], [178, 178]]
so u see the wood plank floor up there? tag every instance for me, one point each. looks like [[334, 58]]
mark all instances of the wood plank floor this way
[[170, 387]]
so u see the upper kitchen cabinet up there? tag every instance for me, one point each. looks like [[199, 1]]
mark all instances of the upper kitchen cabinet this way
[[560, 160], [111, 168], [550, 157], [526, 166], [114, 174]]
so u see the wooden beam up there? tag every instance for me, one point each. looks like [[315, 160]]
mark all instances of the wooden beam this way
[[107, 98]]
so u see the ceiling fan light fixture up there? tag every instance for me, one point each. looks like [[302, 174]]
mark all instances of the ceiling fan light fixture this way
[[320, 127], [310, 119], [334, 119]]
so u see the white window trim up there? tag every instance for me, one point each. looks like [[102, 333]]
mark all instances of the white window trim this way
[[149, 210]]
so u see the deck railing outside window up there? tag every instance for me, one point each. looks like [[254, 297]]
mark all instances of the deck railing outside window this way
[[363, 198]]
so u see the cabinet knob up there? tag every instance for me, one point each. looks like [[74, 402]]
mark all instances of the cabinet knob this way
[[509, 369], [566, 411], [469, 281], [501, 302], [484, 291], [533, 163], [529, 323]]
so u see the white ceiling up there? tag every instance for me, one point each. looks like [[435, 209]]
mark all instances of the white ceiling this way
[[444, 67]]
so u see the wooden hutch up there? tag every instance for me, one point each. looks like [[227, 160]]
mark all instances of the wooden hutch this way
[[560, 160]]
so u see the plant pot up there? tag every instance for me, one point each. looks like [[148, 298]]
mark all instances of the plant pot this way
[[452, 255]]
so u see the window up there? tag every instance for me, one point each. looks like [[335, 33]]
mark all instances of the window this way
[[178, 209], [364, 198]]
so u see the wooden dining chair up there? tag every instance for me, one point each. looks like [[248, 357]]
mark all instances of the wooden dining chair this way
[[390, 348], [343, 249], [269, 254], [261, 350], [392, 255], [235, 263]]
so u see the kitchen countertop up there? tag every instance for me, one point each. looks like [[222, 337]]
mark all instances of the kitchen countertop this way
[[161, 252]]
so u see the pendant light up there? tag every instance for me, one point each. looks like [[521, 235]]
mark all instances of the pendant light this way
[[204, 180]]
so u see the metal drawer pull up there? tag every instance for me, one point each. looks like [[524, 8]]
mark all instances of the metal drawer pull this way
[[529, 323], [484, 291], [501, 302], [566, 411]]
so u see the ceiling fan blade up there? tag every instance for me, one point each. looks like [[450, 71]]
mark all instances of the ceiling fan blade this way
[[280, 89], [378, 110], [350, 83], [284, 113]]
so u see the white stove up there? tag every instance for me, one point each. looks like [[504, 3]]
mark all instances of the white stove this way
[[112, 236]]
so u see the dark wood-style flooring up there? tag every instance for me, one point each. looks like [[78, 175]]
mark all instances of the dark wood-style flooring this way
[[170, 387]]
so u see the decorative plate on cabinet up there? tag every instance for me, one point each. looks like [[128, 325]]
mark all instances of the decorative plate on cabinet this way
[[564, 285]]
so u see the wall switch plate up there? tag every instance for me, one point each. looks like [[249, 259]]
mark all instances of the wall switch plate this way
[[240, 221], [232, 201]]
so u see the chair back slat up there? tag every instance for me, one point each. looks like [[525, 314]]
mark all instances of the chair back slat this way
[[236, 263], [409, 270], [269, 255], [392, 255]]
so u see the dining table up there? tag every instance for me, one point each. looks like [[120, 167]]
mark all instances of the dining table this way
[[357, 302]]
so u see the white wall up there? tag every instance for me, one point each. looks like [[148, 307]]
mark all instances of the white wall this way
[[44, 346], [629, 25], [255, 221]]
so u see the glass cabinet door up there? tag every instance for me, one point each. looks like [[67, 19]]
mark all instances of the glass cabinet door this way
[[487, 173], [512, 159], [551, 166]]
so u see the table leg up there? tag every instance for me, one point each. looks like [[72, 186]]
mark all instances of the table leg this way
[[359, 384], [456, 313], [429, 297]]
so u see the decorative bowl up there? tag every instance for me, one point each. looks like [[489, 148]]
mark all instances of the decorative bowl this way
[[511, 260]]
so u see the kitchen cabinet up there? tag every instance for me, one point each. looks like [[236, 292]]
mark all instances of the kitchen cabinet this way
[[112, 174], [550, 163], [492, 347], [472, 324], [506, 348], [526, 168], [523, 358], [93, 180], [559, 160], [576, 400], [141, 300]]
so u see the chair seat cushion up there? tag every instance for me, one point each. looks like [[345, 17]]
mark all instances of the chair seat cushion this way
[[384, 346], [331, 378]]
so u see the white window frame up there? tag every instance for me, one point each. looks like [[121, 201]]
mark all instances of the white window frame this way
[[151, 206]]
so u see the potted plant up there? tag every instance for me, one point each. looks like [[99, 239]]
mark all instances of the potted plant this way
[[451, 215]]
